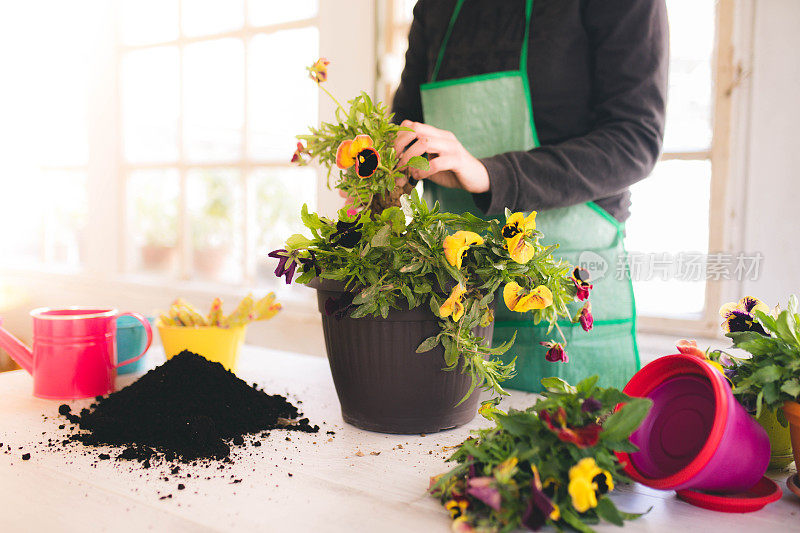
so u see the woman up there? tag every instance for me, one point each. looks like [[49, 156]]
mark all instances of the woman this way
[[555, 106]]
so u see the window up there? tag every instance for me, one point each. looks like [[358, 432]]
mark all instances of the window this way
[[673, 234], [207, 132], [170, 152]]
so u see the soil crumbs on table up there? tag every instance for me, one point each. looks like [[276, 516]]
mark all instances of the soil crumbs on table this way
[[187, 409]]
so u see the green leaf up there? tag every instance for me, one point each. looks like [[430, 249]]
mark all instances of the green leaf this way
[[311, 221], [413, 267], [366, 295], [418, 162], [786, 328], [586, 386], [791, 387], [771, 393], [297, 242], [428, 344], [759, 402], [395, 216], [574, 521], [621, 424], [361, 311], [633, 516], [608, 511], [767, 374], [755, 343], [381, 239], [450, 352], [409, 296], [623, 446], [554, 384], [503, 348]]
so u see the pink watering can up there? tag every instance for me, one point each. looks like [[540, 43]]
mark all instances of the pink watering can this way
[[74, 351]]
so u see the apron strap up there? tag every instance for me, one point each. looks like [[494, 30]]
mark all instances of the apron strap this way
[[523, 62]]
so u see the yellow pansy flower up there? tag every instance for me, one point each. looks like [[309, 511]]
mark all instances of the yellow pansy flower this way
[[521, 300], [456, 244], [586, 481], [740, 316], [453, 305], [504, 470], [456, 507], [583, 495], [517, 228]]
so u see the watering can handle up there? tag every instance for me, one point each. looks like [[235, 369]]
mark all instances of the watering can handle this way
[[147, 329]]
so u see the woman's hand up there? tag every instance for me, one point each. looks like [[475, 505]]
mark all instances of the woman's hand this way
[[450, 163]]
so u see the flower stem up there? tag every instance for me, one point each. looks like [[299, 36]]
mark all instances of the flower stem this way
[[563, 338], [331, 97]]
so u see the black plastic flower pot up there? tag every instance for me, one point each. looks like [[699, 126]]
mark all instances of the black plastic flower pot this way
[[382, 383]]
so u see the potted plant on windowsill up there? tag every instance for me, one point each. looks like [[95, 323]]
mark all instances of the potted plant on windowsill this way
[[211, 229], [158, 222], [406, 291], [768, 382]]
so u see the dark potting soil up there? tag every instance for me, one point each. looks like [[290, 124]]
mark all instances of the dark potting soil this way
[[186, 409]]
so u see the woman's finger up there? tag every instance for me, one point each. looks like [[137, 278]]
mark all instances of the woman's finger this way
[[416, 149], [429, 145], [427, 130], [404, 138]]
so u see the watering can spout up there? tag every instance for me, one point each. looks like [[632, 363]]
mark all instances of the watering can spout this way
[[16, 349]]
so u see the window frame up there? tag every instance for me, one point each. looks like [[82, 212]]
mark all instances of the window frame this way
[[244, 164]]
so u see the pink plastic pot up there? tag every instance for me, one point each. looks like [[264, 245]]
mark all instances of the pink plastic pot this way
[[696, 436]]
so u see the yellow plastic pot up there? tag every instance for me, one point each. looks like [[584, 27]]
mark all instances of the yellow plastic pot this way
[[780, 442], [221, 345]]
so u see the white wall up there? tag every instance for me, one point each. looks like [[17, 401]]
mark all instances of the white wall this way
[[772, 189]]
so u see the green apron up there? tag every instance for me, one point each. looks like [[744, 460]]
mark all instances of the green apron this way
[[492, 114]]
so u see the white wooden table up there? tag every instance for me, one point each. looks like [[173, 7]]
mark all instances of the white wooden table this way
[[330, 487]]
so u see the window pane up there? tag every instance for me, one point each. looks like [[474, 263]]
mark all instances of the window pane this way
[[265, 12], [213, 196], [153, 220], [667, 237], [64, 209], [150, 105], [689, 102], [279, 110], [148, 21], [22, 220], [213, 91], [204, 17], [276, 198]]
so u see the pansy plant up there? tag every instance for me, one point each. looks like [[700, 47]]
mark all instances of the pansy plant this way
[[551, 464], [769, 373], [394, 251]]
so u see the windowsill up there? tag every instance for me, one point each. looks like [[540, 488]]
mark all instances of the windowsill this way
[[158, 290]]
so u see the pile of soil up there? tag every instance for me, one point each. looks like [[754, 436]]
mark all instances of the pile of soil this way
[[189, 408]]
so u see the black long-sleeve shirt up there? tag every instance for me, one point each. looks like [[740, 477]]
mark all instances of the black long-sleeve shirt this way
[[598, 78]]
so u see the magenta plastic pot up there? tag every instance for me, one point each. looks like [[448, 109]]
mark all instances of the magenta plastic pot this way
[[696, 436]]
